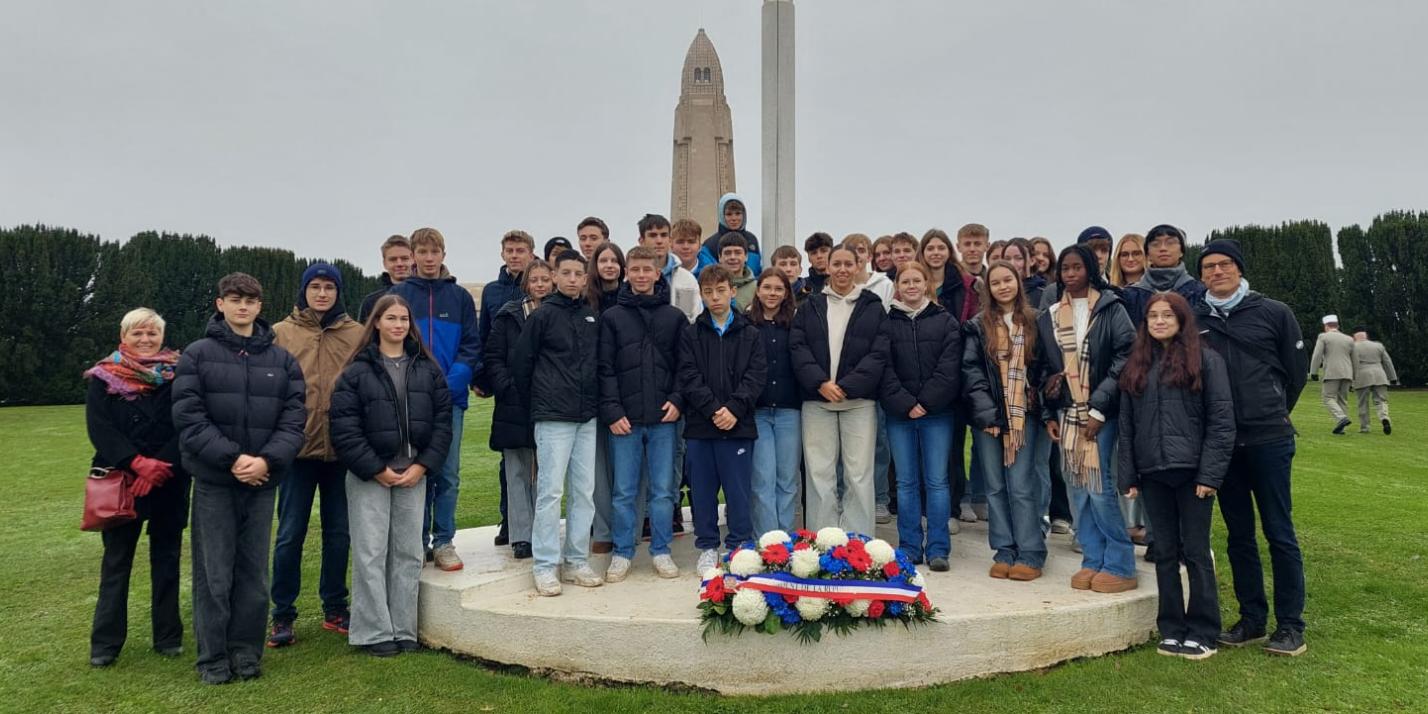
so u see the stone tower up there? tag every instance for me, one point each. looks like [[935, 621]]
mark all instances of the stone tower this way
[[703, 138]]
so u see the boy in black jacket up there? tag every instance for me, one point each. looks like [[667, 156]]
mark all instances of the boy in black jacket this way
[[721, 372], [640, 405], [238, 406], [555, 365]]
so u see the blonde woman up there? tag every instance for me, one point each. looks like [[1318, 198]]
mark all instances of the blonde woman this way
[[1128, 260]]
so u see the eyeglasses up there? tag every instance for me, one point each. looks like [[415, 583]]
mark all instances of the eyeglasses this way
[[1215, 266]]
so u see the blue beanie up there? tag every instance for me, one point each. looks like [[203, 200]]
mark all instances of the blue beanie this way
[[314, 271], [1092, 233]]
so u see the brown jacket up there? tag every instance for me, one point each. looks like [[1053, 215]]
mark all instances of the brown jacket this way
[[322, 352]]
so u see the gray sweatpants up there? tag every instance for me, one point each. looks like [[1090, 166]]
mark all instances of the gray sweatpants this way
[[520, 492], [385, 526]]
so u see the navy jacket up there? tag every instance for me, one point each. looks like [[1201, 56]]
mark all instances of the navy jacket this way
[[445, 314], [639, 356], [721, 371], [1264, 353], [494, 296], [370, 301], [511, 417], [780, 385]]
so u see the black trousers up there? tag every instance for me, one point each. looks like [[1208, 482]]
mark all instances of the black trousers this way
[[111, 614], [232, 532], [1182, 525], [1060, 502]]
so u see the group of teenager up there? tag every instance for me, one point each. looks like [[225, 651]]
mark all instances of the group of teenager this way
[[619, 378]]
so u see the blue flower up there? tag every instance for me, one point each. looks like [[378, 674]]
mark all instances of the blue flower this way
[[895, 609]]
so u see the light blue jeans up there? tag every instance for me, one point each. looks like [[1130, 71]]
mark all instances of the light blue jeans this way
[[777, 453], [647, 449], [439, 522], [565, 460], [1100, 527], [920, 448], [1013, 499]]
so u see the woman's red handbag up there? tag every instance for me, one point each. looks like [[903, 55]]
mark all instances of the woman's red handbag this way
[[107, 501]]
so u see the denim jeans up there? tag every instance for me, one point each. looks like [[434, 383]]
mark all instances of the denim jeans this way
[[1041, 464], [1183, 522], [920, 448], [306, 478], [600, 530], [565, 460], [1258, 478], [1013, 499], [965, 473], [715, 465], [1100, 527], [882, 457], [438, 524], [647, 449], [777, 453], [232, 529]]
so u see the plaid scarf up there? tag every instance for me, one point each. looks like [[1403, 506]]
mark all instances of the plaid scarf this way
[[1080, 457], [130, 376], [1011, 362]]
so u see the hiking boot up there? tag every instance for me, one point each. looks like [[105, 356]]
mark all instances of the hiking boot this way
[[1170, 647], [216, 675], [1286, 642], [601, 547], [1387, 427], [1000, 571], [882, 514], [619, 568], [383, 649], [581, 575], [664, 566], [1082, 579], [1105, 582], [281, 634], [966, 515], [503, 536], [1190, 649], [1241, 634], [708, 560], [1024, 573], [446, 558], [546, 583], [521, 550], [1060, 526], [337, 621], [939, 565], [1339, 428]]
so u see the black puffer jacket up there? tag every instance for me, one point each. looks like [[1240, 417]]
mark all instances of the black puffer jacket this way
[[924, 361], [369, 425], [780, 385], [1111, 337], [1173, 430], [238, 395], [121, 429], [639, 356], [1264, 352], [982, 380], [721, 371], [511, 417], [860, 366], [555, 362]]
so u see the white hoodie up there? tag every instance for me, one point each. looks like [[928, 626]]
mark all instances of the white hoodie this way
[[683, 288], [879, 284]]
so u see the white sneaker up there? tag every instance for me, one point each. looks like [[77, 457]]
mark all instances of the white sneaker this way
[[1060, 526], [664, 566], [882, 514], [708, 560], [581, 575], [954, 526], [547, 585], [966, 515], [619, 568]]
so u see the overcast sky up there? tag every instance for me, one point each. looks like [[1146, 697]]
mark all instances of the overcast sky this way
[[326, 126]]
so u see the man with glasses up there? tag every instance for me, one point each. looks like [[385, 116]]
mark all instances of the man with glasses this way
[[1262, 345], [1165, 251]]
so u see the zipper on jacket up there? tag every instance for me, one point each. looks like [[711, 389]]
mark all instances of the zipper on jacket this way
[[243, 356], [403, 415]]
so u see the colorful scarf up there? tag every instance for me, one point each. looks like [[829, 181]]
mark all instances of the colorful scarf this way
[[1011, 362], [1080, 457], [129, 376]]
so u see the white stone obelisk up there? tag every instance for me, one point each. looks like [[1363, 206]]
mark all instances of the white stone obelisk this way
[[777, 208]]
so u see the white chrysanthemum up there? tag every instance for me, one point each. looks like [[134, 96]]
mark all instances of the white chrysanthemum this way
[[771, 538], [858, 608], [804, 563], [830, 538], [750, 608], [918, 581], [880, 551], [812, 608], [714, 572], [746, 562]]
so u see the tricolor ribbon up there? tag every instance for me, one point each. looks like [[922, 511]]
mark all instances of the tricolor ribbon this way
[[787, 584]]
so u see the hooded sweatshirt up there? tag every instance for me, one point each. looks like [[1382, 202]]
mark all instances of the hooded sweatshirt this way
[[683, 288], [709, 254]]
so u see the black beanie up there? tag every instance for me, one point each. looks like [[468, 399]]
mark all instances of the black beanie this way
[[1165, 229], [1226, 247], [558, 241], [1092, 233]]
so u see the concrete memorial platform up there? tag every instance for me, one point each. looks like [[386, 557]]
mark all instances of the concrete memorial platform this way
[[646, 629]]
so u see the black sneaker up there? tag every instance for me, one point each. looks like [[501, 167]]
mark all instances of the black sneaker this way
[[248, 669], [102, 660], [1343, 424], [1286, 642], [216, 675], [1241, 634], [1387, 427], [521, 550], [408, 645], [503, 536], [1170, 647], [383, 649], [1190, 649], [939, 564], [281, 634]]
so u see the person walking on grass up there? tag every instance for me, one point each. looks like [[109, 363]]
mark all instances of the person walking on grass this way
[[1177, 433], [1334, 358], [1373, 372], [238, 406], [391, 426], [128, 413], [1260, 341]]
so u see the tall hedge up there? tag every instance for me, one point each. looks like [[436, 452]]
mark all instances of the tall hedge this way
[[1385, 286]]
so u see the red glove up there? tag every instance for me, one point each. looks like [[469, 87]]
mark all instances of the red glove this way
[[148, 474]]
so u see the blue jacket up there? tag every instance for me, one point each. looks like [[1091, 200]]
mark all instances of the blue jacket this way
[[445, 315], [494, 296], [709, 254], [1137, 297]]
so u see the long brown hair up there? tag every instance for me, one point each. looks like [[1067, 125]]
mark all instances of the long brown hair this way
[[371, 333], [594, 284], [784, 316], [1022, 313], [951, 270], [1050, 272], [1180, 366]]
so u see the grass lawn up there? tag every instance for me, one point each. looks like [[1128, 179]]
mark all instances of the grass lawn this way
[[1361, 511]]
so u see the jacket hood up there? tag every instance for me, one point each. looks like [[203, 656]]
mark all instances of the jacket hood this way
[[504, 277], [743, 278], [307, 318], [724, 201], [877, 277], [853, 296], [902, 309], [559, 299], [219, 330]]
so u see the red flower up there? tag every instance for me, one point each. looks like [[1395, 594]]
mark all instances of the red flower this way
[[856, 546], [860, 560], [841, 552], [891, 570], [805, 534], [776, 554], [802, 545], [875, 610], [714, 590], [923, 601]]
